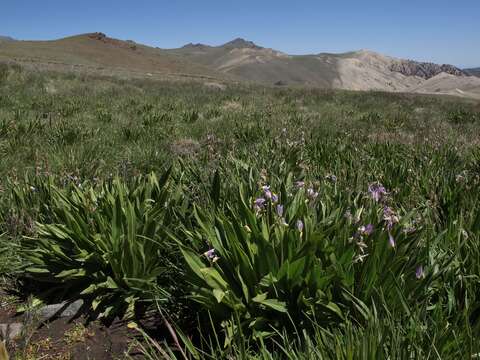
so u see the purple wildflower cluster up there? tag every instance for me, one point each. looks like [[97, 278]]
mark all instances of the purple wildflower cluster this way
[[211, 255], [260, 203], [391, 219], [310, 191], [377, 192]]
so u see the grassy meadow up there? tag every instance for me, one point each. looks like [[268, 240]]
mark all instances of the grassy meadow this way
[[248, 222]]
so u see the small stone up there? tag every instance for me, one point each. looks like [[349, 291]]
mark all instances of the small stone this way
[[60, 310], [11, 331]]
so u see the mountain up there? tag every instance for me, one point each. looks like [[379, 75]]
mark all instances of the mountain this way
[[356, 70], [473, 71], [243, 60], [6, 38], [96, 52]]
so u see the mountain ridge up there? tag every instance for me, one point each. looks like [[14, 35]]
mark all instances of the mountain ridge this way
[[243, 60]]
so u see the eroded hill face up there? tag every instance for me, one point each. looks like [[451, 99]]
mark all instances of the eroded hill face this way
[[423, 69], [243, 60]]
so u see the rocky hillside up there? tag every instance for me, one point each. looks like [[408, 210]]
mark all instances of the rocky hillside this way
[[424, 69]]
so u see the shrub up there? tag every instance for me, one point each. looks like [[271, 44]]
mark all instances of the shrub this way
[[462, 116], [280, 261], [107, 245]]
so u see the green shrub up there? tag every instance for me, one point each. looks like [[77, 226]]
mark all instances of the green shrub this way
[[107, 245], [462, 116], [273, 266]]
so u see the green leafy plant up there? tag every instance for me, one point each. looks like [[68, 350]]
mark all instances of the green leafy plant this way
[[281, 260], [107, 245]]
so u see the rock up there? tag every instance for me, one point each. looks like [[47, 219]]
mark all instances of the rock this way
[[423, 69], [11, 331], [60, 310], [215, 85], [240, 43], [185, 147], [97, 36]]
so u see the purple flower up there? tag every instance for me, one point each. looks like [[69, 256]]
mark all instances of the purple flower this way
[[366, 230], [300, 184], [391, 240], [280, 210], [266, 191], [390, 217], [419, 273], [211, 255], [377, 191], [369, 229], [274, 198], [259, 204], [312, 194], [299, 225]]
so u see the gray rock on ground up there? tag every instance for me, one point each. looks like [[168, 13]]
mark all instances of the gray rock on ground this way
[[11, 331], [59, 310]]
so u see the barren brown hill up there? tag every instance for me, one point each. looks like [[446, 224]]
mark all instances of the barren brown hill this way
[[98, 53]]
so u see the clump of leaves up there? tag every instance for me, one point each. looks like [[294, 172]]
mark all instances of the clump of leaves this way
[[107, 245], [279, 261]]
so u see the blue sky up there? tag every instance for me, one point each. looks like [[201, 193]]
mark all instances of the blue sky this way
[[443, 31]]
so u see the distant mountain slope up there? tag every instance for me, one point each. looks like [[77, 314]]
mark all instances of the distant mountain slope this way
[[242, 60], [6, 38], [473, 71], [444, 83], [96, 51], [245, 60], [357, 70]]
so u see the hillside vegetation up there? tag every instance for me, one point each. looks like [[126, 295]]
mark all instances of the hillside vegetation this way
[[246, 221]]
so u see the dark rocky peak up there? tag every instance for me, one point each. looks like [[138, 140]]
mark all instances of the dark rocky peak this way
[[240, 43], [424, 69], [195, 46], [97, 36]]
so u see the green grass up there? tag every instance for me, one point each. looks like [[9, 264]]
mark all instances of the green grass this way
[[78, 211]]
